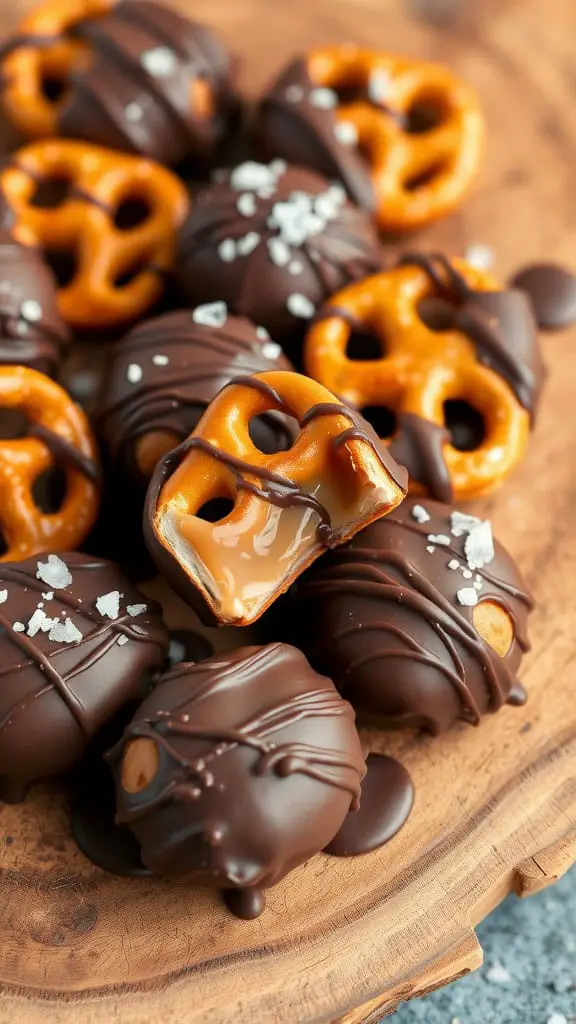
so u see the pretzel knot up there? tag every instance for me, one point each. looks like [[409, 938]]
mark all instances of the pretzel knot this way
[[405, 136], [484, 355], [282, 509], [119, 266], [40, 59], [57, 434]]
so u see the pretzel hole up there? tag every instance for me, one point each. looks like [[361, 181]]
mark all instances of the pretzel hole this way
[[364, 346], [50, 193], [3, 544], [423, 178], [49, 490], [215, 509], [465, 425], [272, 433], [131, 213], [63, 265], [436, 313], [53, 87], [423, 116], [13, 424], [381, 418]]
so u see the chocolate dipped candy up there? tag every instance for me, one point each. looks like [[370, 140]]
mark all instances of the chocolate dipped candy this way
[[166, 371], [77, 642], [231, 527], [273, 242], [157, 84], [32, 332], [420, 620], [236, 770]]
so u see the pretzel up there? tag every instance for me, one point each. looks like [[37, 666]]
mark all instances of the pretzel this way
[[58, 433], [32, 59], [353, 112], [100, 181], [487, 357], [287, 507]]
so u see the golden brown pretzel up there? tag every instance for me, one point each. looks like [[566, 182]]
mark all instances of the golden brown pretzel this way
[[32, 60], [287, 507], [421, 369], [58, 432], [100, 181], [416, 177]]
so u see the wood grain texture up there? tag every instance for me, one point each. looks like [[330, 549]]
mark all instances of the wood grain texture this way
[[496, 807]]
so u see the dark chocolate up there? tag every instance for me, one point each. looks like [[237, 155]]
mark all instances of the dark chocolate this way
[[65, 453], [295, 121], [32, 332], [256, 764], [184, 362], [150, 65], [418, 445], [390, 617], [385, 805], [552, 293], [274, 242], [77, 641], [500, 325]]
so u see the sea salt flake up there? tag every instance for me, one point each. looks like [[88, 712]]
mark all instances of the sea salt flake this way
[[48, 595], [3, 596], [480, 256], [262, 333], [467, 574], [212, 314], [294, 93], [379, 86], [453, 563], [134, 373], [498, 973], [227, 250], [300, 306], [159, 62], [419, 513], [54, 572], [461, 522], [270, 350], [251, 177], [324, 99], [478, 586], [246, 204], [65, 633], [346, 133], [133, 113], [430, 548], [109, 604], [136, 609], [467, 597], [279, 252], [327, 206], [18, 627], [439, 538], [122, 640], [31, 310], [295, 267], [279, 167], [246, 245], [479, 545], [160, 360], [39, 622]]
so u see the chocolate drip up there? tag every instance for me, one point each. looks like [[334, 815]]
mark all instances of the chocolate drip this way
[[385, 805], [246, 904], [67, 453], [499, 324], [552, 293], [418, 444]]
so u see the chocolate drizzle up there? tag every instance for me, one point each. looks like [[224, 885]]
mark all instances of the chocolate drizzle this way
[[66, 453], [257, 729], [418, 445], [406, 635], [499, 324]]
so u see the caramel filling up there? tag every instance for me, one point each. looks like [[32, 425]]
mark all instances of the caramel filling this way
[[494, 625], [140, 765]]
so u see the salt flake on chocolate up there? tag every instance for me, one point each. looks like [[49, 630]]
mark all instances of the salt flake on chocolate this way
[[270, 350], [324, 99], [247, 244], [294, 93], [346, 133], [246, 204], [136, 609], [419, 513], [439, 538], [467, 597], [159, 62], [3, 596], [122, 640], [18, 627], [109, 604], [479, 545], [212, 314], [300, 306], [160, 360], [65, 633], [55, 573], [31, 310], [252, 177], [262, 333], [279, 252], [134, 373], [227, 250], [40, 622], [461, 522]]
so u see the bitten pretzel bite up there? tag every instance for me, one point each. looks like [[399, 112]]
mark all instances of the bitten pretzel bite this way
[[404, 136], [281, 511], [481, 356], [119, 265], [58, 434]]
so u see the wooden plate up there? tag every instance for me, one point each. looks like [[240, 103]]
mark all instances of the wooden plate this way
[[496, 806]]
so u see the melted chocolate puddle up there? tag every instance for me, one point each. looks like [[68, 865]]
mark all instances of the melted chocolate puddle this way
[[245, 903], [385, 805]]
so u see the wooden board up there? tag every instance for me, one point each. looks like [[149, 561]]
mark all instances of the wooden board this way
[[496, 807]]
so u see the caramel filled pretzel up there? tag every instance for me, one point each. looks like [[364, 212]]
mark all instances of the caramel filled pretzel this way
[[32, 60], [119, 270], [486, 355], [405, 136], [286, 508], [58, 434]]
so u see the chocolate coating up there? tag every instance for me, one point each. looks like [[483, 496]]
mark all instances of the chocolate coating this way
[[257, 765], [552, 292], [274, 242], [32, 332], [160, 85], [385, 806], [419, 446], [394, 619], [66, 664], [293, 123], [184, 364]]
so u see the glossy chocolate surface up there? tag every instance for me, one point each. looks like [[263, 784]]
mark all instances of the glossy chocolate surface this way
[[552, 293]]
